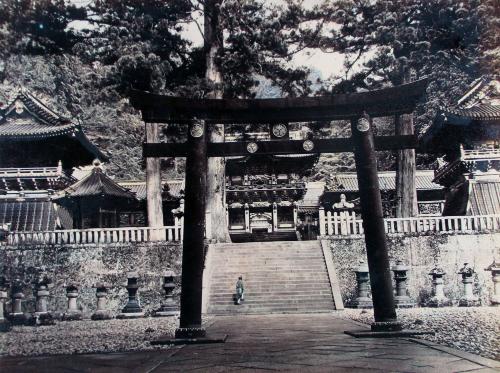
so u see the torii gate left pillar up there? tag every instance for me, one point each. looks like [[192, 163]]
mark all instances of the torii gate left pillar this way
[[194, 234]]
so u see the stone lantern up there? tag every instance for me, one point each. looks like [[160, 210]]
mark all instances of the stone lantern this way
[[72, 313], [42, 315], [102, 313], [468, 299], [438, 299], [133, 308], [169, 307], [17, 316], [363, 299], [402, 300], [4, 287], [494, 268]]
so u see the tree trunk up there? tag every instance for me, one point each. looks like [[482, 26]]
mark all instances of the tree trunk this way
[[216, 166], [153, 185], [406, 192]]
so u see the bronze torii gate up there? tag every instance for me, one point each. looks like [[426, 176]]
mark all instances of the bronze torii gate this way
[[359, 108]]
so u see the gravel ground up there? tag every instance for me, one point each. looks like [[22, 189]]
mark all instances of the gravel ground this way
[[87, 336], [474, 329]]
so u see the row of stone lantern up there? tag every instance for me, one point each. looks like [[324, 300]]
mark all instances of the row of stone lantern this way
[[439, 299], [42, 315]]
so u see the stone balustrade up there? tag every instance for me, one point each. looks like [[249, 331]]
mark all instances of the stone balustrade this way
[[333, 224]]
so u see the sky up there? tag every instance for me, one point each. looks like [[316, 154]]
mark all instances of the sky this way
[[327, 64]]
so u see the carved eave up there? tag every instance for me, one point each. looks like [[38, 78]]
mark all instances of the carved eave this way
[[242, 194]]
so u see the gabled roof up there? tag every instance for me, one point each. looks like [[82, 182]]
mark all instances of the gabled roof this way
[[26, 117], [348, 181], [96, 184]]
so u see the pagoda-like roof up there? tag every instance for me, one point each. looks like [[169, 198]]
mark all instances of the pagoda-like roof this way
[[475, 116], [27, 118], [97, 184]]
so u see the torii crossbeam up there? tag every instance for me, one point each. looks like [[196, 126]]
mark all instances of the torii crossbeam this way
[[359, 108]]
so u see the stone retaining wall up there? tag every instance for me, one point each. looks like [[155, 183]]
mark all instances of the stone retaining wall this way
[[421, 253], [85, 265]]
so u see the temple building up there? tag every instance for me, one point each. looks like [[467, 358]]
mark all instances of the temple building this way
[[344, 186], [46, 182], [38, 151], [467, 136], [264, 193]]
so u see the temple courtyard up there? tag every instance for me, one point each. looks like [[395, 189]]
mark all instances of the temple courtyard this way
[[293, 342]]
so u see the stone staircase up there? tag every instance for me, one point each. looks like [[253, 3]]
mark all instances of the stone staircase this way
[[279, 277]]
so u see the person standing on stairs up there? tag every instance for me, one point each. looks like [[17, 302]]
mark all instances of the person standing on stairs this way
[[240, 290]]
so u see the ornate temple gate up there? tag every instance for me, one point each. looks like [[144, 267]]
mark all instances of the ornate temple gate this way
[[359, 108]]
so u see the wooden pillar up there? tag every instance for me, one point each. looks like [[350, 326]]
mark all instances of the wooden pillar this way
[[406, 191], [194, 231], [153, 186], [247, 218], [373, 223], [295, 214]]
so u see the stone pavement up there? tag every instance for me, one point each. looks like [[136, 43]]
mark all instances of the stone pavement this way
[[299, 343]]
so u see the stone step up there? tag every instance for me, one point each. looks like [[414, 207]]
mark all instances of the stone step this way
[[249, 277], [296, 298], [242, 309]]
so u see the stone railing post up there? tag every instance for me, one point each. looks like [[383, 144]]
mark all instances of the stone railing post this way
[[102, 313], [322, 221], [4, 295], [17, 316], [169, 307], [438, 299], [401, 299], [133, 308], [494, 268], [72, 313], [363, 299], [468, 299]]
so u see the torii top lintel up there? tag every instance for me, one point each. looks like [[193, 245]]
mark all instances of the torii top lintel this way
[[379, 103]]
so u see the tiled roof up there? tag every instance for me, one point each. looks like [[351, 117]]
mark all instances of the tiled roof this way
[[481, 112], [314, 190], [26, 118], [28, 215], [480, 102], [348, 182], [175, 188], [28, 127], [96, 184], [484, 198]]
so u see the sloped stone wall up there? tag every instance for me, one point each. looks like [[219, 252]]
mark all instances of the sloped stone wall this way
[[86, 265], [421, 252]]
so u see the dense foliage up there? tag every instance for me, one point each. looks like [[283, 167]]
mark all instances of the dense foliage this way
[[84, 59]]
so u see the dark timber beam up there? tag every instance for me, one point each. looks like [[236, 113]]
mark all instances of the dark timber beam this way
[[379, 103], [228, 149]]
